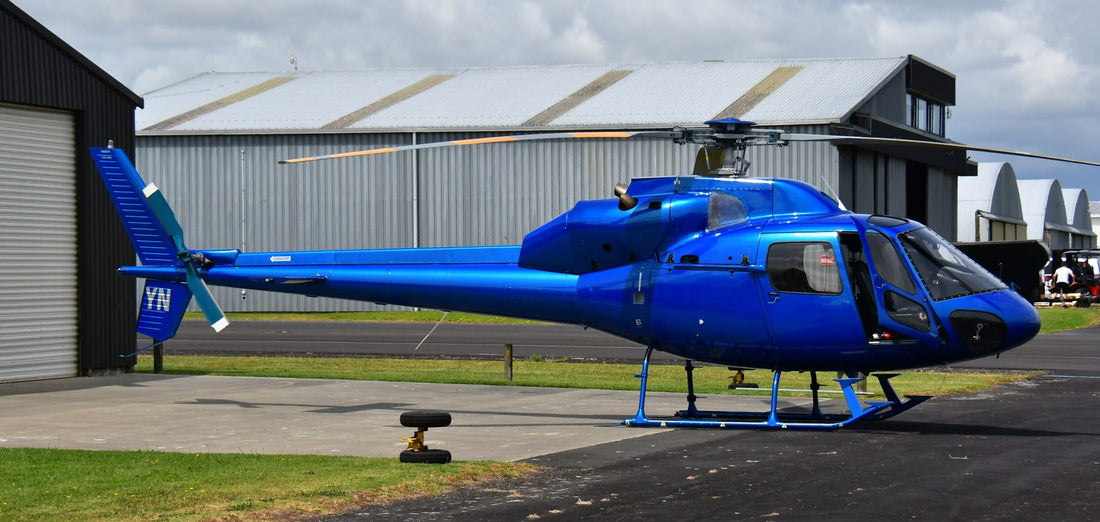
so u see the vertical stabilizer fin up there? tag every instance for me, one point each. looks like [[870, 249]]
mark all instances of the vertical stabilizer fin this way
[[158, 239]]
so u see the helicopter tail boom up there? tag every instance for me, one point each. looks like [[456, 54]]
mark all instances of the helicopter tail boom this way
[[471, 279]]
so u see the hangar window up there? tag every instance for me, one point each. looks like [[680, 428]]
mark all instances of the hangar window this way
[[803, 268], [924, 114]]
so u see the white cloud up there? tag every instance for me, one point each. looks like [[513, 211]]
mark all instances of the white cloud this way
[[1027, 69]]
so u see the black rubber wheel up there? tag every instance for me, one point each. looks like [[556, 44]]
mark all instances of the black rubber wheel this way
[[425, 419], [428, 456]]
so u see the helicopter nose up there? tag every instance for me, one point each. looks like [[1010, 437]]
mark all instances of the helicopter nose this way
[[1006, 321]]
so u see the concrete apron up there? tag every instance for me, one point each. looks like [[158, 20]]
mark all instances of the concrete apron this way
[[330, 417]]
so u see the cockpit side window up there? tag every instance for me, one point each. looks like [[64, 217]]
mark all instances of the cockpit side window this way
[[888, 263], [804, 268], [724, 210]]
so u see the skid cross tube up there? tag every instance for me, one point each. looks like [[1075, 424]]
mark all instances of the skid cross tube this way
[[815, 419]]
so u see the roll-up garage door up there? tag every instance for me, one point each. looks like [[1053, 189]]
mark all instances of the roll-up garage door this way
[[38, 281]]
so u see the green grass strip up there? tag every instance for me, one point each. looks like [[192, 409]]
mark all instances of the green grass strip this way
[[1057, 319], [708, 379], [51, 484]]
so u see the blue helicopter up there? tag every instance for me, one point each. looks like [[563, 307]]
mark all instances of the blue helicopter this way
[[714, 267]]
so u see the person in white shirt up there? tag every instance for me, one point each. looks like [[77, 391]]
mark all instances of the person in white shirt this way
[[1063, 278]]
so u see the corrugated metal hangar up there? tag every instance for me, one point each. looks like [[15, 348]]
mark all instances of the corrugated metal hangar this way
[[989, 205], [212, 142], [63, 309], [995, 206]]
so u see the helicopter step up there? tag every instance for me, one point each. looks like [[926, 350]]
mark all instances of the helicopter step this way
[[814, 419]]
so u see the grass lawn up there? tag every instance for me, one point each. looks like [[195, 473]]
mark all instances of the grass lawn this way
[[1057, 319], [709, 379], [51, 484]]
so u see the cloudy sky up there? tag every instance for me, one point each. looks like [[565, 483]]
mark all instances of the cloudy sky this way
[[1027, 71]]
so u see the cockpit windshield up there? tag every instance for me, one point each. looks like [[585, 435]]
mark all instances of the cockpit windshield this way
[[945, 271]]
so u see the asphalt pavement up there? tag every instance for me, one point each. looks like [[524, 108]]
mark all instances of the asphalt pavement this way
[[1073, 352], [400, 339], [1020, 452], [1024, 450]]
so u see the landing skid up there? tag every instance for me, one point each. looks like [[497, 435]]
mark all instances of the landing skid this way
[[773, 418]]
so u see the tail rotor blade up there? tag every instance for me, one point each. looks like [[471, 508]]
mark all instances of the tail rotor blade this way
[[205, 300], [195, 284], [167, 218]]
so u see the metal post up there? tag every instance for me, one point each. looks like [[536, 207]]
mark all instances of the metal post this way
[[158, 358], [243, 206], [415, 195], [508, 362]]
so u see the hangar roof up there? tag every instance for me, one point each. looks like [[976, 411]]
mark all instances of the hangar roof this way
[[1077, 210], [1041, 200], [993, 192], [802, 91]]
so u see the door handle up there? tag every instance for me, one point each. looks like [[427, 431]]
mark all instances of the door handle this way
[[773, 297]]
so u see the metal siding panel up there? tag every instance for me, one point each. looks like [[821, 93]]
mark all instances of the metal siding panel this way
[[228, 192], [498, 193], [895, 195], [38, 266], [816, 163], [942, 210], [485, 195], [863, 183]]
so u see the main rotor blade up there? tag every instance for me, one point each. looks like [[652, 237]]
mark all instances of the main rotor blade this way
[[496, 139], [935, 144]]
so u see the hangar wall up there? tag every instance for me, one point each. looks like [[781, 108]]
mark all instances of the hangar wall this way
[[229, 192], [214, 140], [40, 72]]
